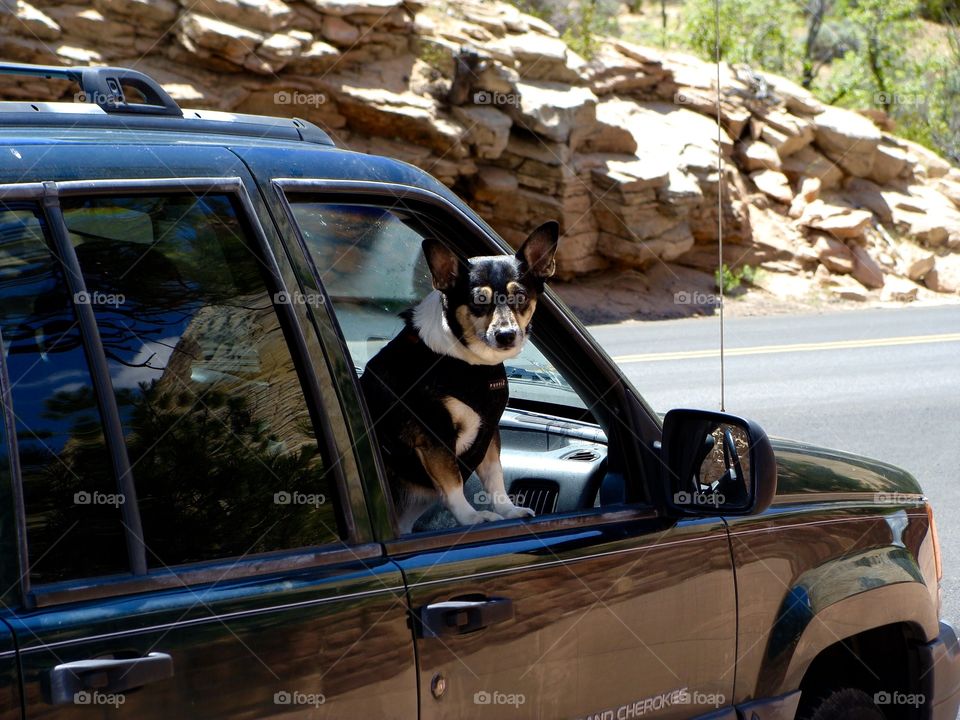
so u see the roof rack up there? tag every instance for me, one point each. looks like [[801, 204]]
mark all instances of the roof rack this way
[[104, 87]]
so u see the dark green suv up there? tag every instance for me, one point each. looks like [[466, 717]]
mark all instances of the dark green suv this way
[[194, 520]]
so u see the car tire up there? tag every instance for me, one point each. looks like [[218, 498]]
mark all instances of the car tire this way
[[846, 704]]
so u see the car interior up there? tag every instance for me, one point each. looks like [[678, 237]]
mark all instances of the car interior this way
[[554, 452]]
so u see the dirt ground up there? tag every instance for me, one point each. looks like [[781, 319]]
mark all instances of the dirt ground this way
[[671, 291]]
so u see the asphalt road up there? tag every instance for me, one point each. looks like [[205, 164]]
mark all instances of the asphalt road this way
[[884, 383]]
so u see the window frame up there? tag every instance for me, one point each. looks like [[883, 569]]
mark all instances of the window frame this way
[[631, 412], [45, 197]]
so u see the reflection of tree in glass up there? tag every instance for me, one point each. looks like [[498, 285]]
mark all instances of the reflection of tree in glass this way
[[206, 474]]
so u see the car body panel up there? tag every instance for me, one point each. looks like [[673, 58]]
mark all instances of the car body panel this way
[[604, 618], [797, 564], [11, 706], [339, 633]]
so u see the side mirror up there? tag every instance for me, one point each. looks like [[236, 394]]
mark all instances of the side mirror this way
[[716, 464]]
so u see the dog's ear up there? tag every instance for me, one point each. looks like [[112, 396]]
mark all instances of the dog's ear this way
[[444, 265], [536, 254]]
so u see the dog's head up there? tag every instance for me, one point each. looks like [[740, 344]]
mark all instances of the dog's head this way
[[489, 301]]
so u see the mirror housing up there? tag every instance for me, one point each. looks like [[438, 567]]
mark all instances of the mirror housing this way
[[715, 464]]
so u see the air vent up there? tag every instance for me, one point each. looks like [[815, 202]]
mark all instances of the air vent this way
[[539, 496], [583, 455]]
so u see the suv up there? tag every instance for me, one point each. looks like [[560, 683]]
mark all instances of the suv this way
[[194, 520]]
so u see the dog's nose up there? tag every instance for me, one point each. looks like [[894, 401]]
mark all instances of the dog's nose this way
[[505, 338]]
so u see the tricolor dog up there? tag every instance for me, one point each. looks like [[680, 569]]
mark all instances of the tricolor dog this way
[[437, 390]]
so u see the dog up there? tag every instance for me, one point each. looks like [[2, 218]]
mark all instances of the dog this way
[[437, 390]]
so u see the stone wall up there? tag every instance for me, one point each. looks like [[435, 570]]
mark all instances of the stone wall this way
[[623, 150]]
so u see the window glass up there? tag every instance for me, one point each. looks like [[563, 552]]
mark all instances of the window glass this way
[[72, 504], [221, 445], [371, 263]]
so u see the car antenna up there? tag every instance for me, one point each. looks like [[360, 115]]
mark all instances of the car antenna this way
[[716, 20]]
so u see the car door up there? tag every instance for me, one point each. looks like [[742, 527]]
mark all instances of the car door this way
[[598, 607], [193, 538]]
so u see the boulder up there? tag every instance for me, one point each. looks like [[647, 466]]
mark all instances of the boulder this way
[[834, 255], [315, 59], [932, 164], [204, 36], [945, 275], [899, 290], [553, 110], [539, 56], [915, 262], [488, 129], [890, 162], [866, 271], [755, 155], [808, 162], [796, 98], [841, 222], [37, 23], [847, 138], [339, 32], [264, 15], [786, 133], [146, 13], [808, 192], [773, 184], [375, 8]]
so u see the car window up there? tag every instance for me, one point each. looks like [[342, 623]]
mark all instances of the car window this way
[[223, 453], [72, 505], [370, 261], [372, 267]]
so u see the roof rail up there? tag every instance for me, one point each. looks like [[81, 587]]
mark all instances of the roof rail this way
[[103, 86]]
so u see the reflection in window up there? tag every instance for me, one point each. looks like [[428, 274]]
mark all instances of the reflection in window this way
[[73, 517], [220, 441]]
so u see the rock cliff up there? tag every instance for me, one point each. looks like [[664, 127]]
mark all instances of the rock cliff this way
[[623, 149]]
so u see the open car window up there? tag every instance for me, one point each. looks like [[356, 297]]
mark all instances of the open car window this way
[[370, 261]]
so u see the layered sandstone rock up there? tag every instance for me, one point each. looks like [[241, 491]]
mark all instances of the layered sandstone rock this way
[[623, 149]]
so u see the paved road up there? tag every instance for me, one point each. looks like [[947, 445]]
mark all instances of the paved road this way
[[883, 383]]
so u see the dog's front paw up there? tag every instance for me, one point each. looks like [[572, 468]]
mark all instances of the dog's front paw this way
[[513, 512], [480, 516]]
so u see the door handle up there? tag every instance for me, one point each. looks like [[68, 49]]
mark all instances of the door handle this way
[[107, 675], [458, 617]]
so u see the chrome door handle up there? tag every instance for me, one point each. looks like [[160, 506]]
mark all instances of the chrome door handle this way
[[458, 617], [107, 675]]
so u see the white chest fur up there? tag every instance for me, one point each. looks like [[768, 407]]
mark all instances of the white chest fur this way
[[466, 421]]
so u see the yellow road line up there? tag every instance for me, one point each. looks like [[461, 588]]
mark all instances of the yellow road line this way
[[796, 347]]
